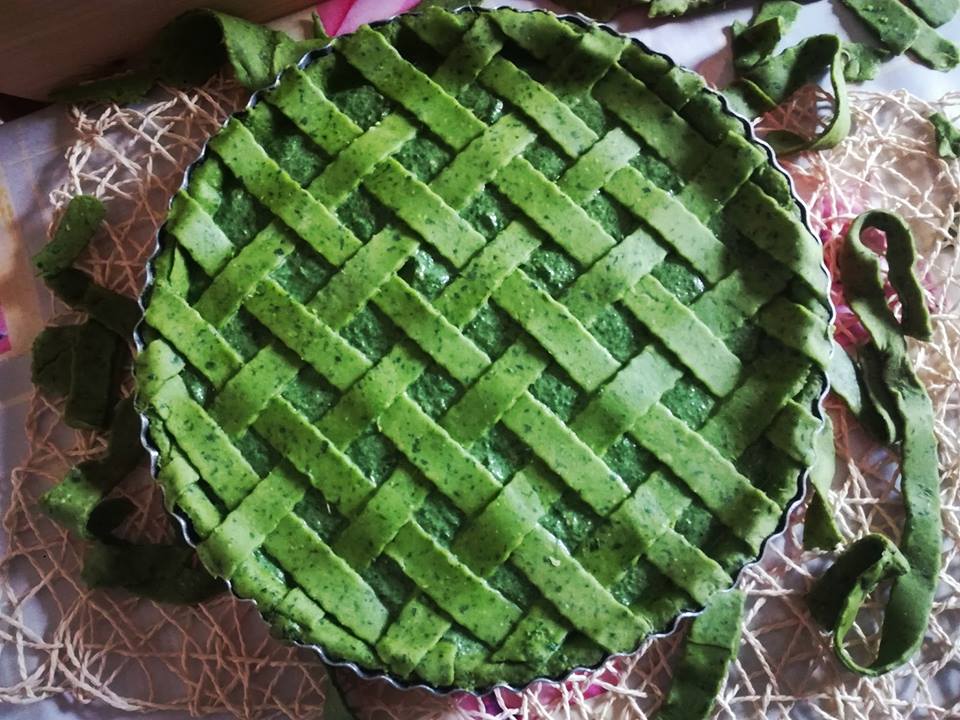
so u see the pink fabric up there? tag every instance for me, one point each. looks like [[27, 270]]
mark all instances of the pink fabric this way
[[5, 344], [332, 13], [344, 16]]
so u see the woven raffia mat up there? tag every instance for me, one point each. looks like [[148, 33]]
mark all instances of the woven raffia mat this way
[[94, 646]]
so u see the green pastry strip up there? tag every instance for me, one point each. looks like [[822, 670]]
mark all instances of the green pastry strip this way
[[198, 233], [565, 454], [327, 578], [794, 431], [647, 516], [672, 221], [610, 278], [947, 136], [296, 206], [679, 329], [900, 29], [503, 523], [593, 169], [559, 217], [582, 69], [358, 159], [79, 361], [496, 392], [798, 328], [712, 643], [455, 472], [551, 323], [729, 166], [73, 499], [553, 116], [370, 53], [77, 226], [755, 42], [496, 532], [914, 567], [114, 311], [740, 295], [431, 331], [478, 164], [241, 276], [92, 369], [745, 510], [779, 233], [298, 607], [670, 136], [300, 330], [391, 508], [331, 471], [247, 526]]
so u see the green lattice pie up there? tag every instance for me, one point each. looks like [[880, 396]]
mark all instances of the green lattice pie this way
[[481, 347]]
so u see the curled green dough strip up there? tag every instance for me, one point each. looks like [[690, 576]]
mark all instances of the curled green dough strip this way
[[841, 591], [754, 42], [712, 643], [770, 82]]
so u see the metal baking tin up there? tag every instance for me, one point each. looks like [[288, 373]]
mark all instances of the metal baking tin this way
[[791, 506]]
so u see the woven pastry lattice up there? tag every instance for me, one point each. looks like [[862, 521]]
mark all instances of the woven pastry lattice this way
[[482, 347], [65, 641]]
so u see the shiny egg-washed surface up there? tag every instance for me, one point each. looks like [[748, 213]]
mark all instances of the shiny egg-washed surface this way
[[481, 347]]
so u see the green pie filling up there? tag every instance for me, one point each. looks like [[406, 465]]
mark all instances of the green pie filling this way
[[481, 347]]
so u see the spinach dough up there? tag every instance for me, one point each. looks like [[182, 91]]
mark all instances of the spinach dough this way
[[481, 347]]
